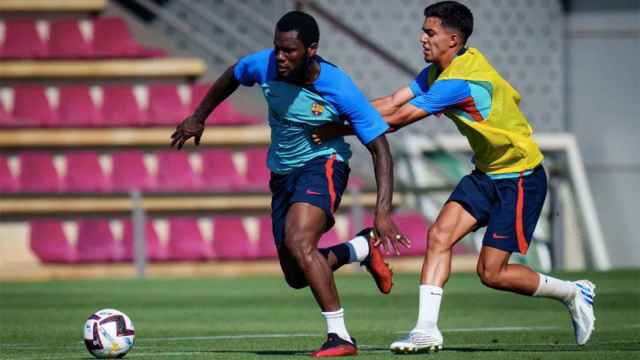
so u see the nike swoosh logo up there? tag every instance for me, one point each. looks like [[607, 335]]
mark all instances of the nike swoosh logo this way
[[313, 192], [499, 237]]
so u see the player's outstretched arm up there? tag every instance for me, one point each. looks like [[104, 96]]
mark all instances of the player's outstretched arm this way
[[386, 230], [388, 106], [405, 115], [396, 110], [193, 126]]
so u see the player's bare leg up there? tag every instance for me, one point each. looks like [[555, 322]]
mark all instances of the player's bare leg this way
[[453, 223], [496, 272], [300, 258], [304, 227]]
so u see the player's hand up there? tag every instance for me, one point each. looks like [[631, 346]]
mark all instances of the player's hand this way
[[189, 127], [327, 132], [388, 235], [323, 133]]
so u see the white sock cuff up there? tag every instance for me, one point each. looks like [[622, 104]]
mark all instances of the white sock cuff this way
[[433, 290], [358, 248], [551, 287], [333, 314]]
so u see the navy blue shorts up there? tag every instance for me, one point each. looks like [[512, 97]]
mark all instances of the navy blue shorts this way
[[320, 182], [509, 208]]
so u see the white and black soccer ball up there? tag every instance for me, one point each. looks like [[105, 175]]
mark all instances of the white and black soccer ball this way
[[108, 333]]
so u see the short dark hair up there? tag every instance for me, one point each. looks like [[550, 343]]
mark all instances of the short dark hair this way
[[453, 15], [303, 23]]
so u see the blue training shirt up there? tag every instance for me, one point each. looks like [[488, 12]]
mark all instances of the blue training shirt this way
[[295, 110]]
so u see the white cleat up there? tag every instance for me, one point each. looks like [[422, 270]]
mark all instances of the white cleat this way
[[581, 310], [418, 341]]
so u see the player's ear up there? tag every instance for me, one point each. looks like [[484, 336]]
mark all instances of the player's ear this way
[[454, 39], [312, 50]]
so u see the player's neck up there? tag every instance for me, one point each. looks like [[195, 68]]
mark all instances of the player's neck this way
[[445, 60], [312, 73], [308, 74]]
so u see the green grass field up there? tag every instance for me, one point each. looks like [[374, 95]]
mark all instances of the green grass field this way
[[260, 318]]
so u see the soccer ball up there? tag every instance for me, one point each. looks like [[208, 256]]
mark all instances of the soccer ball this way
[[108, 333]]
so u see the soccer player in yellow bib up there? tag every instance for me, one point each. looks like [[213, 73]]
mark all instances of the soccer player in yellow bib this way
[[505, 192]]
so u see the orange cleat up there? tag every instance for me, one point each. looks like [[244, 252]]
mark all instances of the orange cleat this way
[[336, 346], [380, 270]]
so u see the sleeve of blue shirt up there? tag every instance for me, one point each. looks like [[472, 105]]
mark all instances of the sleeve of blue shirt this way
[[441, 95], [420, 84], [254, 68], [338, 88]]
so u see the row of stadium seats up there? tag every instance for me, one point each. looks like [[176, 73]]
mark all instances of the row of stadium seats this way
[[109, 105], [84, 171], [185, 240], [107, 37]]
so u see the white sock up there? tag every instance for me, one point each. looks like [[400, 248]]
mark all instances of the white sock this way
[[430, 298], [335, 323], [358, 248], [555, 288]]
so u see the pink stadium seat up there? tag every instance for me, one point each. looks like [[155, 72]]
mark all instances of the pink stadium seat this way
[[37, 173], [198, 91], [31, 106], [186, 242], [84, 172], [154, 249], [226, 113], [120, 108], [222, 115], [128, 172], [330, 238], [49, 243], [219, 172], [266, 245], [76, 108], [6, 120], [8, 183], [111, 38], [414, 225], [165, 106], [22, 40], [66, 40], [96, 242], [258, 175], [230, 239], [175, 172]]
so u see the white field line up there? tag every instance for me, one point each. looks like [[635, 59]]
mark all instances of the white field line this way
[[27, 346], [374, 349]]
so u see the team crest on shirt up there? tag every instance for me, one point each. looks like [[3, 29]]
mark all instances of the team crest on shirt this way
[[317, 109]]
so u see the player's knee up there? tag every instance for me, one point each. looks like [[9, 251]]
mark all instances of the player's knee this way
[[295, 281], [438, 240], [299, 248], [489, 277]]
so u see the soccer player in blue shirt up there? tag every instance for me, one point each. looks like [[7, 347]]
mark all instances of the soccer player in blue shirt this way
[[303, 91]]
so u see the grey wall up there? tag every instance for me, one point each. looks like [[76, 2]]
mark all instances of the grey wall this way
[[603, 87], [523, 39]]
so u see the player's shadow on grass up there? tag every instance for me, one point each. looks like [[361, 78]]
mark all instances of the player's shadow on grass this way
[[260, 352], [514, 349]]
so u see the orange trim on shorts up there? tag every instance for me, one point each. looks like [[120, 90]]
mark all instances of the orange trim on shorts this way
[[328, 167], [522, 241]]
